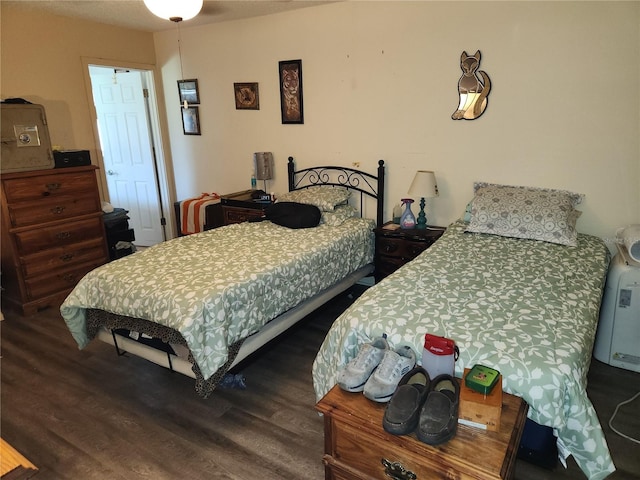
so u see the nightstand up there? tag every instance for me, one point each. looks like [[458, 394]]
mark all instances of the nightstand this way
[[239, 207], [397, 246], [357, 447]]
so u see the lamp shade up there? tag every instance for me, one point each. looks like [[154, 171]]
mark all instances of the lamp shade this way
[[424, 185], [263, 165], [175, 10]]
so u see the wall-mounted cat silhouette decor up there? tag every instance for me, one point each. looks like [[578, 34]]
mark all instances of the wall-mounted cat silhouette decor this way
[[472, 90]]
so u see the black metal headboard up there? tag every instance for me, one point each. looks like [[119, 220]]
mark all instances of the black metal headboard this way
[[363, 182]]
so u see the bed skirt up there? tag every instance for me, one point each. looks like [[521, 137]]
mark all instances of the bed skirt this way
[[97, 319]]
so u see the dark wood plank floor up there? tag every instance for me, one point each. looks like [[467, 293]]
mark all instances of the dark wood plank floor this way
[[91, 415]]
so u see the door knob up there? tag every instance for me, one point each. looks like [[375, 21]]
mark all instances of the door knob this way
[[111, 172]]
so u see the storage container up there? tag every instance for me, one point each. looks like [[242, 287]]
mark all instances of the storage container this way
[[26, 144]]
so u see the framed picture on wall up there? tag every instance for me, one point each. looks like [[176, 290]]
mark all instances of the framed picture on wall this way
[[291, 91], [188, 90], [191, 120], [246, 95]]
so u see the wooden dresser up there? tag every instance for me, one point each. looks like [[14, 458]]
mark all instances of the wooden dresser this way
[[52, 234], [357, 447]]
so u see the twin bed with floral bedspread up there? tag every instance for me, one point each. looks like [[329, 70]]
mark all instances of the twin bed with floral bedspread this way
[[518, 290], [225, 292]]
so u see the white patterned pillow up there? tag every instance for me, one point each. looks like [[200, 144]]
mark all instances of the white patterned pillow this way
[[326, 198], [339, 215], [525, 212]]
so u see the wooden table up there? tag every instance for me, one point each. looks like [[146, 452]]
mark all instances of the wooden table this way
[[357, 447]]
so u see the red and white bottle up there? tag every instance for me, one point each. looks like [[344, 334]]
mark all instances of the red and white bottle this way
[[439, 355]]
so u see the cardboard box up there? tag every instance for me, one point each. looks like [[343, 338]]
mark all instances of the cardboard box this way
[[479, 410]]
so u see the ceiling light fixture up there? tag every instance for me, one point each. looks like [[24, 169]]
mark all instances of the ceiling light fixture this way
[[174, 10]]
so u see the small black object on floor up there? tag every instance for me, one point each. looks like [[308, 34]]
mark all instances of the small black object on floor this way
[[538, 445]]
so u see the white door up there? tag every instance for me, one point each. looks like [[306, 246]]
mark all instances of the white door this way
[[127, 150]]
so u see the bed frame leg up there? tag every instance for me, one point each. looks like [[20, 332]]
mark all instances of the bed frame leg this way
[[169, 361], [119, 352]]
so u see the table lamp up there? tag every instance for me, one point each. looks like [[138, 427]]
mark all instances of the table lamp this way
[[263, 166], [423, 186]]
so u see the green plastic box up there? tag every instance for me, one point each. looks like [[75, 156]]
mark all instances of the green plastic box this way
[[482, 379]]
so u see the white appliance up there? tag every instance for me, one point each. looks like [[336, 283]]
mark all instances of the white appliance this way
[[628, 238], [618, 336]]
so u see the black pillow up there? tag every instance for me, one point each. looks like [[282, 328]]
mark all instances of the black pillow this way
[[293, 215]]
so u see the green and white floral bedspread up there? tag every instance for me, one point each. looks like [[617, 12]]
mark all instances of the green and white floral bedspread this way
[[222, 285], [527, 308]]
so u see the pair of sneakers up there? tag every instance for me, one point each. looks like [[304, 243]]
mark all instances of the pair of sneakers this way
[[377, 369]]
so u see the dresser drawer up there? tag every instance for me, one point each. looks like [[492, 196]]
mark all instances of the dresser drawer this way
[[31, 188], [39, 239], [366, 453], [387, 265], [61, 257], [49, 210], [402, 248], [239, 215], [60, 281], [413, 249], [396, 246], [392, 247]]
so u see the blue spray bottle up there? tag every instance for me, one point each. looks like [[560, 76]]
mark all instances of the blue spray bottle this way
[[407, 220]]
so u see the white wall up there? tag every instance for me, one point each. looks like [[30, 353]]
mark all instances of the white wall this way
[[380, 82], [41, 61]]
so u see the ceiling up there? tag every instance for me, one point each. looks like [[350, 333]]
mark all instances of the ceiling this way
[[134, 14]]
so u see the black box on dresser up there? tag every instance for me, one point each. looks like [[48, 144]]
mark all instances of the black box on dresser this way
[[71, 158]]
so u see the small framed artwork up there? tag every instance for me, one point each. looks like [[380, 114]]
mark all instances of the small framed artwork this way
[[188, 90], [291, 91], [246, 95], [191, 120]]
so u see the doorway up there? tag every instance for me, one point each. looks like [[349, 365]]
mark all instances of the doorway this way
[[133, 169]]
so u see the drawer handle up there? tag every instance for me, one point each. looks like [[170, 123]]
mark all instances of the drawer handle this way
[[389, 248], [66, 257], [63, 235], [396, 471], [53, 186], [57, 210], [68, 277]]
